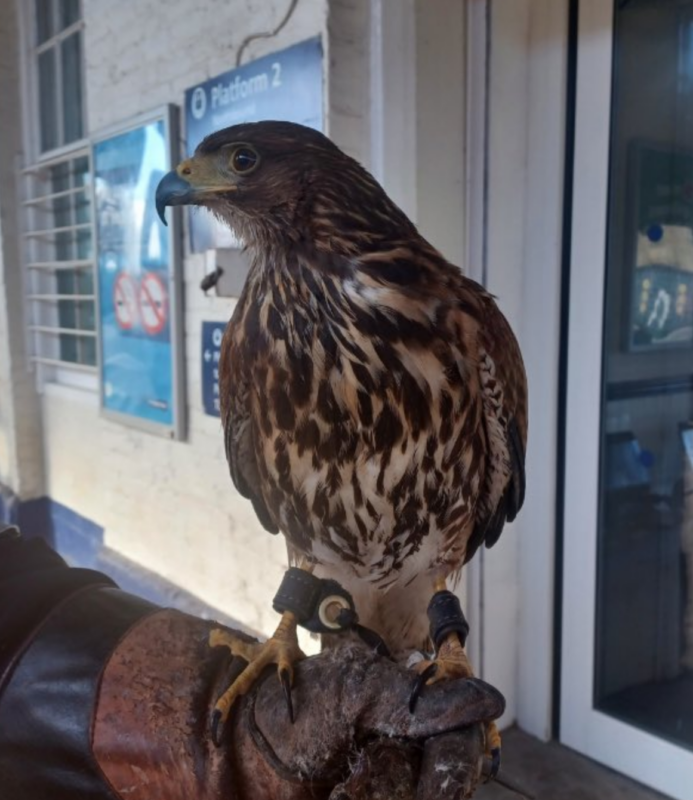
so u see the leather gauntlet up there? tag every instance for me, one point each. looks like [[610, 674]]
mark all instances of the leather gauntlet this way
[[105, 696]]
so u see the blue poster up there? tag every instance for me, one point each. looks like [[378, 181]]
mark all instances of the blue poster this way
[[134, 273], [287, 85]]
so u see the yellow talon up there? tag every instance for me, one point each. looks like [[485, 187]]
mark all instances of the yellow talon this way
[[281, 649], [451, 663]]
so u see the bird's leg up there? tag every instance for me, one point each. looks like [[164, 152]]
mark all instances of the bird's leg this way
[[449, 633], [281, 649]]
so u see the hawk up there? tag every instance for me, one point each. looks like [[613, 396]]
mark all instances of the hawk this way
[[373, 398]]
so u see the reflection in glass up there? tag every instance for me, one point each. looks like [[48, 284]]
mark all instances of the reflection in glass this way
[[88, 350], [60, 177], [85, 281], [48, 110], [44, 20], [69, 12], [644, 665], [69, 347], [81, 175], [82, 208], [85, 313], [67, 312], [65, 282], [70, 54], [84, 244], [74, 283]]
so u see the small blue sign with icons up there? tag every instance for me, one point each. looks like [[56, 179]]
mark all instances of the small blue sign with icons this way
[[287, 85], [212, 334]]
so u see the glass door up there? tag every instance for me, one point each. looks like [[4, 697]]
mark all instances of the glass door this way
[[627, 657]]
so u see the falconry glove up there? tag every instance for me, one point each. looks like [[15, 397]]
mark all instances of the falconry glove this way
[[104, 695]]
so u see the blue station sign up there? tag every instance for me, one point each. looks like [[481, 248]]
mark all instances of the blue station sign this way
[[287, 85], [212, 334]]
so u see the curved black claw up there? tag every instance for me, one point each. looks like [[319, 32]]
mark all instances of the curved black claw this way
[[285, 679], [495, 764], [217, 723], [217, 727], [419, 683]]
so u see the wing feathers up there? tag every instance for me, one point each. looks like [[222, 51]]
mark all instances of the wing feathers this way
[[516, 489], [239, 440], [504, 392]]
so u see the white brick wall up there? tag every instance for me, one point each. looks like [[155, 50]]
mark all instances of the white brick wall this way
[[348, 79], [143, 53]]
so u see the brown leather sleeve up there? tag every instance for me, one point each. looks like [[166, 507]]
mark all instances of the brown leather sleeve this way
[[104, 696], [48, 693], [150, 734]]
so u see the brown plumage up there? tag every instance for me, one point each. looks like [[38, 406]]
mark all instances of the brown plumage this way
[[373, 398]]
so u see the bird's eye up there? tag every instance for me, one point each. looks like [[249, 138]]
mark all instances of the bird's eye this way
[[243, 160]]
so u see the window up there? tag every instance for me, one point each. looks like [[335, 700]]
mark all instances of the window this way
[[644, 668], [59, 253], [59, 72], [60, 265]]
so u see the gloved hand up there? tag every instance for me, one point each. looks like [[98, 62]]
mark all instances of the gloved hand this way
[[105, 696], [353, 736]]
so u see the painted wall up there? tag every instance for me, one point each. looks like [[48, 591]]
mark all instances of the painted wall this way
[[441, 95], [20, 429], [527, 102]]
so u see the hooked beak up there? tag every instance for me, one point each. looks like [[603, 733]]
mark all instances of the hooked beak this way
[[172, 191]]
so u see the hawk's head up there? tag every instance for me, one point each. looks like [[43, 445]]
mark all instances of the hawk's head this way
[[280, 182]]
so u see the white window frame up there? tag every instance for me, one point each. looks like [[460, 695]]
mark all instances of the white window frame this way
[[516, 160], [40, 306]]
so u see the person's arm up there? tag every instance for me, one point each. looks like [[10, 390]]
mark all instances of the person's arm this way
[[353, 728], [110, 697]]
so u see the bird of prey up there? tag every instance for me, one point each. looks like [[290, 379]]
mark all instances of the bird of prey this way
[[373, 398]]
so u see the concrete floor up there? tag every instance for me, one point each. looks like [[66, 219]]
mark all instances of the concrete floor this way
[[541, 771]]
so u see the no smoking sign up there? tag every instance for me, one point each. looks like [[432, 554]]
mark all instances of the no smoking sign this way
[[144, 303], [125, 301], [152, 299]]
